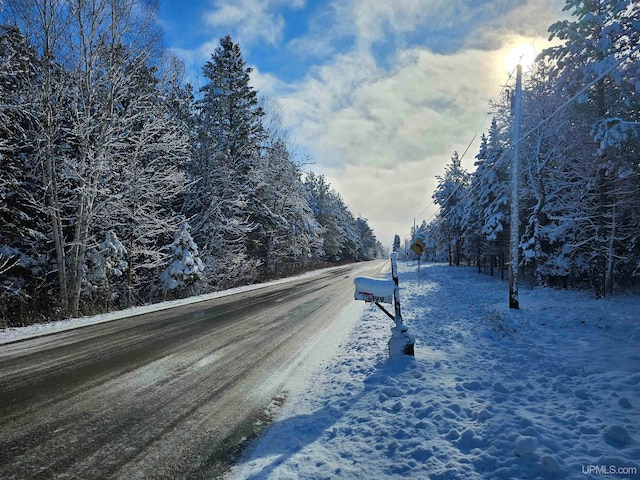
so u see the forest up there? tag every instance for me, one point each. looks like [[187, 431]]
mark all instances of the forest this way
[[120, 185], [579, 151]]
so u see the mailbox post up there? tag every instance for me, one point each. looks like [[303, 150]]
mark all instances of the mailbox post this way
[[378, 291], [401, 342]]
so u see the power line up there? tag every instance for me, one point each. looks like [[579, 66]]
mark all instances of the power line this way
[[463, 154], [504, 86], [540, 124], [475, 135]]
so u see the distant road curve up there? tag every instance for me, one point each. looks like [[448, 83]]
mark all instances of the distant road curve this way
[[161, 395]]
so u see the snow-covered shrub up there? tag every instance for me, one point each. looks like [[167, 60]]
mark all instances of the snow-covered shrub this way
[[498, 323], [186, 267], [105, 266]]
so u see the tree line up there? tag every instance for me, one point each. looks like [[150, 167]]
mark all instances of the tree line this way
[[580, 163], [120, 185]]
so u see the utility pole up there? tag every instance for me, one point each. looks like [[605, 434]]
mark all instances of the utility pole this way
[[413, 237], [514, 241]]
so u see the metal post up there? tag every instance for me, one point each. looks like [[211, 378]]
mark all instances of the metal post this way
[[396, 290], [515, 203], [401, 342]]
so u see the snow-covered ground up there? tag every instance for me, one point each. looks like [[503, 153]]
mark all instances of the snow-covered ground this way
[[549, 391]]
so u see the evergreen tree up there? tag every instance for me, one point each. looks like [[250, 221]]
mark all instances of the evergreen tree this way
[[369, 247], [231, 115], [229, 133], [106, 265], [450, 195], [287, 236], [340, 237], [186, 267], [600, 48], [23, 240], [493, 177], [145, 176], [475, 243], [543, 155]]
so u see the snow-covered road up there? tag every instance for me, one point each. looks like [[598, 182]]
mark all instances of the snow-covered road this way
[[549, 391], [155, 395]]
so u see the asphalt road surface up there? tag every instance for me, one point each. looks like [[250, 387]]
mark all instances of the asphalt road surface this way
[[165, 395]]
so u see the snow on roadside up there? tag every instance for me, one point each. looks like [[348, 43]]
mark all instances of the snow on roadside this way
[[14, 334], [549, 391]]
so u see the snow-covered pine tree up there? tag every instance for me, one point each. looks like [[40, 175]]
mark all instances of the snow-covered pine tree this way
[[145, 179], [368, 246], [229, 136], [287, 236], [23, 241], [543, 164], [185, 268], [230, 111], [340, 236], [345, 238], [494, 193], [475, 244], [106, 266], [450, 195], [600, 48]]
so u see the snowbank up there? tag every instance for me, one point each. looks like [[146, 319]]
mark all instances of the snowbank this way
[[549, 391], [8, 335]]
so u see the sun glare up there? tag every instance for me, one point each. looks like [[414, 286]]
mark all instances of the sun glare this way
[[524, 54]]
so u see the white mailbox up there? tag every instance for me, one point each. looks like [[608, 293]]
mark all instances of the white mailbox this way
[[374, 290]]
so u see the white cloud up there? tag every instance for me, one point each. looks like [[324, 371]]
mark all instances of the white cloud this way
[[351, 112], [530, 19], [226, 15], [382, 134], [252, 21], [388, 198], [266, 83], [382, 124]]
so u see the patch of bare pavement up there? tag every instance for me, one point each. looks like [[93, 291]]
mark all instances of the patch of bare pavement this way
[[164, 395]]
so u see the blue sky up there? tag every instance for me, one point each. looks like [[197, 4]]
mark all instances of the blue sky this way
[[378, 93]]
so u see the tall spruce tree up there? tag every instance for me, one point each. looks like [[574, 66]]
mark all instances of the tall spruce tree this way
[[229, 136], [450, 194], [231, 113]]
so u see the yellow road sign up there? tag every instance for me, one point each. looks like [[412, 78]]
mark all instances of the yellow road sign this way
[[418, 247]]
